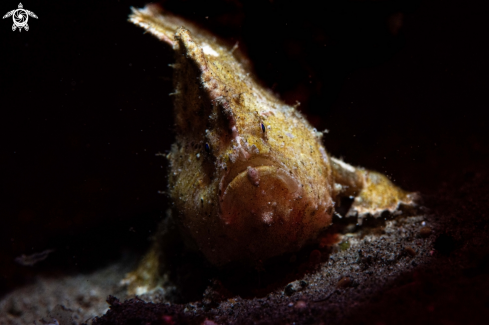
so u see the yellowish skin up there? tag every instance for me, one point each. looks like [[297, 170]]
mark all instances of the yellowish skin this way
[[249, 177]]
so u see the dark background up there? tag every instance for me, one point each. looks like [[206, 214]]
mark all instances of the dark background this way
[[400, 85]]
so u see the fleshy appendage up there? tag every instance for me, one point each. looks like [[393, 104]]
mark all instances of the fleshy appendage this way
[[373, 193]]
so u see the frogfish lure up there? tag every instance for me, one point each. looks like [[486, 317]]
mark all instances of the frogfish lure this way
[[249, 178]]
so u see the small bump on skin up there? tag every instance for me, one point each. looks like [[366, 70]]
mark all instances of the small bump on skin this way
[[253, 176]]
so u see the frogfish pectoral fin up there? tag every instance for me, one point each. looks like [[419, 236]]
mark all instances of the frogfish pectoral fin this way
[[373, 193]]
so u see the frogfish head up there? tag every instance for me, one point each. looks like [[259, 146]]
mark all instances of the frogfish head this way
[[249, 177]]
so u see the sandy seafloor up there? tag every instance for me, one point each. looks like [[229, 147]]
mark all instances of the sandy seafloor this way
[[68, 298], [402, 273], [79, 298]]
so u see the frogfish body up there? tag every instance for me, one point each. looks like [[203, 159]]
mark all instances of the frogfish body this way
[[249, 177]]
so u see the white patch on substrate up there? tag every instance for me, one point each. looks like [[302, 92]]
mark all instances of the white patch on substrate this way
[[141, 290]]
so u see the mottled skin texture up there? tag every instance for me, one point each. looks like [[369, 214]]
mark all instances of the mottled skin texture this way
[[249, 177], [252, 194]]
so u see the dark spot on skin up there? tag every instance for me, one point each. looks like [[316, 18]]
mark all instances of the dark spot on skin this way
[[263, 127]]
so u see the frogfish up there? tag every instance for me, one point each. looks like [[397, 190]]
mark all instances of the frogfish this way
[[249, 177]]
